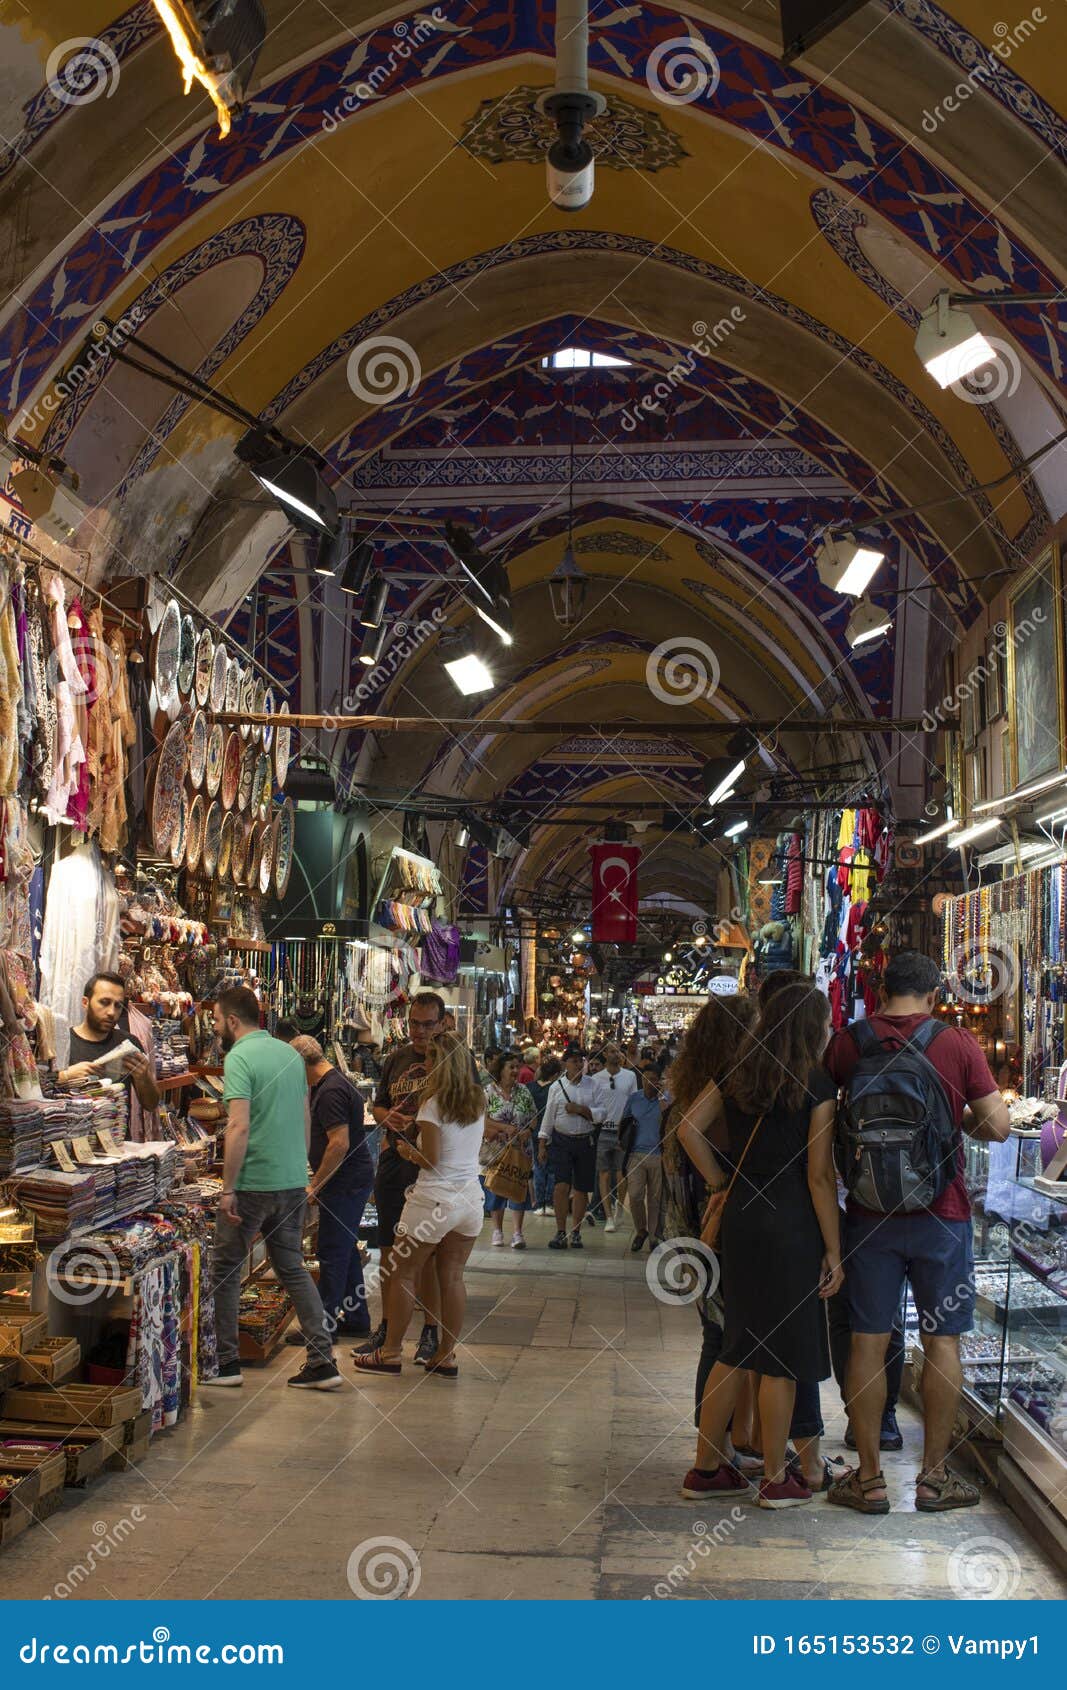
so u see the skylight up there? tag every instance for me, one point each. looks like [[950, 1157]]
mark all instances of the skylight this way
[[580, 358]]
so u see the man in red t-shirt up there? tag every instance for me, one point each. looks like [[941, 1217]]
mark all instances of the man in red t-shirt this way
[[930, 1248]]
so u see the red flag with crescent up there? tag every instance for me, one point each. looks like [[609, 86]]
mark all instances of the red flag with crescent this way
[[615, 893]]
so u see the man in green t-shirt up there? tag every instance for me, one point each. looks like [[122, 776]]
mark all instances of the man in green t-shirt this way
[[264, 1181]]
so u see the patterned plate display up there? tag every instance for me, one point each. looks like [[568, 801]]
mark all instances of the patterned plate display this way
[[212, 834], [247, 702], [248, 778], [252, 863], [177, 844], [222, 867], [216, 750], [187, 657], [259, 696], [242, 835], [282, 746], [284, 834], [194, 834], [269, 708], [167, 791], [219, 670], [168, 651], [235, 680], [197, 749], [205, 660], [231, 769], [266, 856], [262, 789]]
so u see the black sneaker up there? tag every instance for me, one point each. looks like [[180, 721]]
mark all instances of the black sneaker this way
[[559, 1242], [228, 1374], [891, 1437], [590, 1219], [317, 1376], [374, 1341], [576, 1239], [427, 1346], [637, 1242]]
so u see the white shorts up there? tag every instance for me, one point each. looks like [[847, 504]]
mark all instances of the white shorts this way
[[433, 1209]]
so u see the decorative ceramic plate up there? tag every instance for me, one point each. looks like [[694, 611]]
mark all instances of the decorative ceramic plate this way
[[242, 834], [247, 704], [187, 657], [167, 792], [219, 669], [262, 789], [282, 744], [284, 833], [194, 834], [167, 655], [269, 708], [205, 658], [248, 778], [222, 867], [252, 861], [259, 696], [216, 750], [266, 857], [212, 833], [235, 677], [231, 769], [177, 844], [198, 735]]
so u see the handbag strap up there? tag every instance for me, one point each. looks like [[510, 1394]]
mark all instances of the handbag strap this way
[[741, 1162]]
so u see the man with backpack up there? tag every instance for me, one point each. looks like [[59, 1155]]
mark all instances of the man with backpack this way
[[912, 1086]]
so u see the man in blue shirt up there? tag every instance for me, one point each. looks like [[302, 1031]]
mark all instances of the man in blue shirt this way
[[641, 1136]]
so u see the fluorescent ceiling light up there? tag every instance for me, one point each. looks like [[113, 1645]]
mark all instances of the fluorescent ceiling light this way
[[867, 623], [949, 343], [734, 829], [1027, 791], [727, 785], [498, 628], [293, 479], [846, 566], [936, 832], [775, 880], [469, 674], [975, 831]]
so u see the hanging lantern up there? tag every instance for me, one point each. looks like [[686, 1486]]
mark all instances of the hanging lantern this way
[[566, 588]]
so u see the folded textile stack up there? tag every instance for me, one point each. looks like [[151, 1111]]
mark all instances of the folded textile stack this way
[[66, 1116], [58, 1201], [110, 1111], [21, 1125], [171, 1048]]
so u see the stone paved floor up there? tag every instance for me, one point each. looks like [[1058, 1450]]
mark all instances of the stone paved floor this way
[[549, 1469]]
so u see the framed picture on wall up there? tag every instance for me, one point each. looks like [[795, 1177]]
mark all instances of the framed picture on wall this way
[[1035, 672], [994, 674], [974, 776]]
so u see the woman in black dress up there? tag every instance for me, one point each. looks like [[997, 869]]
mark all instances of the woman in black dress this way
[[780, 1237]]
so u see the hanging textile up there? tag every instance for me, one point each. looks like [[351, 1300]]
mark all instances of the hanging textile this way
[[439, 955], [81, 937]]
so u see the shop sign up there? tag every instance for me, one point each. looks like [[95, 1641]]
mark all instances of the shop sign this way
[[724, 986]]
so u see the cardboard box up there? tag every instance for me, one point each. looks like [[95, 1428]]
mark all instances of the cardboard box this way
[[84, 1450], [58, 1359], [17, 1505], [20, 1330], [74, 1405]]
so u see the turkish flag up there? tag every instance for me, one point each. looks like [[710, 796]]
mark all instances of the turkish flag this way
[[615, 893]]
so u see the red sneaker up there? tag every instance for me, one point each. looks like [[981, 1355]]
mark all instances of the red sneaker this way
[[790, 1494], [724, 1483]]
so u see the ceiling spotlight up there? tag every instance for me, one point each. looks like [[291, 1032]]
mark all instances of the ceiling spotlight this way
[[469, 673], [462, 836], [375, 600], [975, 831], [577, 938], [668, 956], [373, 644], [487, 580], [949, 342], [845, 566], [217, 46], [721, 776], [331, 552], [867, 623], [357, 567], [294, 478], [735, 829]]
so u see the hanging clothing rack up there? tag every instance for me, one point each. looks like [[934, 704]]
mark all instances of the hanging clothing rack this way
[[44, 562]]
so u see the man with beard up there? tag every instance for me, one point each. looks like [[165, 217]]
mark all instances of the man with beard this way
[[264, 1185], [99, 1031]]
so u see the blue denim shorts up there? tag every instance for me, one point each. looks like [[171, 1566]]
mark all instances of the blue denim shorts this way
[[934, 1256]]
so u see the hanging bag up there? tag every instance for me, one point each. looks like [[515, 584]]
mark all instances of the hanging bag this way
[[508, 1174], [711, 1225]]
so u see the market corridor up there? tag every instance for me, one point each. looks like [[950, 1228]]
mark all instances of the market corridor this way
[[549, 1470]]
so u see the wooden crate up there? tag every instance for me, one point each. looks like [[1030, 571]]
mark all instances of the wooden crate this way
[[16, 1508], [84, 1450], [131, 1441], [9, 1372], [47, 1365], [74, 1405], [49, 1465], [20, 1330]]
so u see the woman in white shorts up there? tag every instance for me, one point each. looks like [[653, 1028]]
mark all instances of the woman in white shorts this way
[[444, 1209]]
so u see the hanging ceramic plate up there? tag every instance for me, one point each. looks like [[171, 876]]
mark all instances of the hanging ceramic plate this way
[[259, 696], [231, 769], [219, 669], [242, 834], [187, 657], [252, 861], [167, 792], [194, 834], [235, 676], [284, 832], [266, 857], [222, 867], [282, 743], [205, 658], [261, 791], [248, 701], [216, 750], [167, 655], [177, 844], [248, 778], [198, 736], [212, 833], [268, 710]]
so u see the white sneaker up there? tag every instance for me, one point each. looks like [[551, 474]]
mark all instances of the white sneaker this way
[[609, 1225], [497, 1240], [618, 1213]]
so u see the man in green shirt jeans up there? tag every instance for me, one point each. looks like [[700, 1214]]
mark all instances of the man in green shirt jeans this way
[[264, 1181]]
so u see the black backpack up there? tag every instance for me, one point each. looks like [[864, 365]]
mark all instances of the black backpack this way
[[896, 1135]]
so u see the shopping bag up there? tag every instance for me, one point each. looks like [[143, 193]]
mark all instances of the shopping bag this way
[[508, 1175]]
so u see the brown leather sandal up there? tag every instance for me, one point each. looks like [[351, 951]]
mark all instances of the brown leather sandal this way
[[850, 1491], [950, 1491]]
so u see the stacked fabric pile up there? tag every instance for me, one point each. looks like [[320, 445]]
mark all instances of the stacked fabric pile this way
[[171, 1048], [21, 1125], [126, 1249], [58, 1201], [66, 1117], [109, 1111], [104, 1172]]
